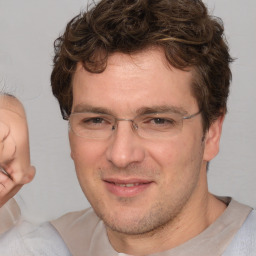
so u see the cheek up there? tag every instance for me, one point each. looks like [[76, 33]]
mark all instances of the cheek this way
[[85, 155], [87, 158], [168, 154], [178, 156]]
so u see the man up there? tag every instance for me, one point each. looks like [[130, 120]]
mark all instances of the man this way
[[144, 86]]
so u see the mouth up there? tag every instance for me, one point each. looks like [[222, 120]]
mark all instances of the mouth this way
[[127, 185], [126, 188]]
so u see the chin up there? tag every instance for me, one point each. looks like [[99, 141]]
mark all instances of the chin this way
[[132, 222]]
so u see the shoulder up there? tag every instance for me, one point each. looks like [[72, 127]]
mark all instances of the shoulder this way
[[244, 242], [83, 231], [28, 239], [74, 220]]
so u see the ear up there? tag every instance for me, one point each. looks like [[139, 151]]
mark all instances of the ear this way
[[212, 139]]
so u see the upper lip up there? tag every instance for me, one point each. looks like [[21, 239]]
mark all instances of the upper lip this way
[[127, 180]]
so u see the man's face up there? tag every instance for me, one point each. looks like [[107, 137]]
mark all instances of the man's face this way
[[135, 184]]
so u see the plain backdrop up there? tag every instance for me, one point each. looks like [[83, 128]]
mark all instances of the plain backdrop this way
[[27, 31]]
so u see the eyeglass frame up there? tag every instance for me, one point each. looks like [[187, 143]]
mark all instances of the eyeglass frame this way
[[116, 120]]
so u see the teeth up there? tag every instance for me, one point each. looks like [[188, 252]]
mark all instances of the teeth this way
[[127, 185]]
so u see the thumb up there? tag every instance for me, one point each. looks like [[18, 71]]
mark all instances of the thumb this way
[[29, 175]]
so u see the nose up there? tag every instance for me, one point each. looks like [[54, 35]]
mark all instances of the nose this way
[[125, 146]]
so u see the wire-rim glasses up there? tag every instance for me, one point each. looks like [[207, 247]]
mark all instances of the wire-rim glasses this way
[[102, 126]]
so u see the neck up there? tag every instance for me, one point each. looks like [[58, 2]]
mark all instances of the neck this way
[[196, 216]]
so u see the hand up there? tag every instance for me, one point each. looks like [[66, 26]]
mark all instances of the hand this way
[[15, 167]]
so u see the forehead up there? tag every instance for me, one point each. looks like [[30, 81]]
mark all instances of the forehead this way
[[133, 81]]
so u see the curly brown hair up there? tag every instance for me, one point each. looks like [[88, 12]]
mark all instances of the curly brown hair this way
[[189, 36]]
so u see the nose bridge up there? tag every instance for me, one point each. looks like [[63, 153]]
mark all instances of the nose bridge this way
[[134, 126], [125, 147], [124, 119]]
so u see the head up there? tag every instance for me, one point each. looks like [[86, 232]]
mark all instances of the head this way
[[189, 37], [130, 57]]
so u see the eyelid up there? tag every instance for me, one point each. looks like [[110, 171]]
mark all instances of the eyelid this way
[[93, 114], [161, 114], [145, 115], [106, 117]]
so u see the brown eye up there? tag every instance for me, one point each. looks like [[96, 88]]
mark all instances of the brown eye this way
[[96, 120], [162, 121]]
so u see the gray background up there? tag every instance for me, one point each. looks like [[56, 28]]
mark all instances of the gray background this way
[[28, 29]]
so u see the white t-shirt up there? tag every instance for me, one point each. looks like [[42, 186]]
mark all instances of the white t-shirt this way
[[84, 234], [26, 239]]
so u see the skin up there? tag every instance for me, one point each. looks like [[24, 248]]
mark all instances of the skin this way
[[175, 205], [14, 148]]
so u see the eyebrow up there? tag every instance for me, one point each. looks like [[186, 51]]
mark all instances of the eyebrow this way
[[161, 109], [80, 108], [141, 111]]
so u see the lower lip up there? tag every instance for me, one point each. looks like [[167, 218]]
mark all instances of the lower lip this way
[[127, 191]]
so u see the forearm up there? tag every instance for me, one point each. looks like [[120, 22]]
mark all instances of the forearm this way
[[9, 215]]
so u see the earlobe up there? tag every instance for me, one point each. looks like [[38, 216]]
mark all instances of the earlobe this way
[[212, 139]]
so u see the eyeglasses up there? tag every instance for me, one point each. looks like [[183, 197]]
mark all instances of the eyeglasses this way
[[101, 126]]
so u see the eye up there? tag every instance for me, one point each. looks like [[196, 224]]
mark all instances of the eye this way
[[158, 120], [94, 120], [158, 123], [161, 121]]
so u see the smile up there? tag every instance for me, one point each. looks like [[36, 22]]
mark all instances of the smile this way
[[130, 188], [128, 185]]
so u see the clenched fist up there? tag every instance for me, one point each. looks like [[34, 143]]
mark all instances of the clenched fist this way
[[15, 167]]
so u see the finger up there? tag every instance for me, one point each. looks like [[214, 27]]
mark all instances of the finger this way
[[4, 172], [6, 187], [6, 182], [4, 131], [20, 176], [5, 179], [7, 145], [29, 176], [7, 195]]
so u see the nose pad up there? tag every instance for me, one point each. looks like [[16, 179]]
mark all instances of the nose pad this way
[[125, 147], [135, 126]]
